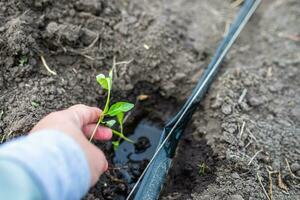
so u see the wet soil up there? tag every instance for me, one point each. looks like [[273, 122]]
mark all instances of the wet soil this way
[[248, 123]]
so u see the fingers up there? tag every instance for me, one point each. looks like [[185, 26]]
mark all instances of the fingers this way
[[100, 164], [102, 133], [84, 115]]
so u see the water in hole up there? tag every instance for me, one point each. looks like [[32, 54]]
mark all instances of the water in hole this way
[[131, 159], [146, 135]]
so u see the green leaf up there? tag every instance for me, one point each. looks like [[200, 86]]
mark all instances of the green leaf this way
[[105, 82], [119, 107], [117, 133], [23, 60], [35, 104], [120, 118], [116, 145], [110, 123]]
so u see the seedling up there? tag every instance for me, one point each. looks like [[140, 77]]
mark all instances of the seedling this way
[[35, 104], [23, 60], [202, 168], [117, 110]]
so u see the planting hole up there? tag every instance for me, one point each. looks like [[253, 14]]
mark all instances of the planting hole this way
[[146, 135]]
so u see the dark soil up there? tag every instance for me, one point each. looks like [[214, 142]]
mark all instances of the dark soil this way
[[247, 124]]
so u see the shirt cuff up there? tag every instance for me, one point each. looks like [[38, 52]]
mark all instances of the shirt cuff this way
[[54, 161]]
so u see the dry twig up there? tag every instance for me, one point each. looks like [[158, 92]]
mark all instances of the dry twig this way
[[281, 184], [262, 186], [251, 160], [5, 137], [47, 67], [242, 130], [242, 96], [236, 3], [289, 168], [270, 182]]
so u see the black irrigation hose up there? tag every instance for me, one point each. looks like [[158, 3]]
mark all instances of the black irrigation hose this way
[[152, 178]]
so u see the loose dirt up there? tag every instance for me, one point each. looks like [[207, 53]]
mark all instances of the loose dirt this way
[[248, 123]]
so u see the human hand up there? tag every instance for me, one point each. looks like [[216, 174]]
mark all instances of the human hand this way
[[78, 122]]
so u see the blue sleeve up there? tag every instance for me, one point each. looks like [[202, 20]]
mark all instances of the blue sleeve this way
[[45, 165]]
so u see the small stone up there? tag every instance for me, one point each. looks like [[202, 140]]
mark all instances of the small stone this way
[[122, 28], [1, 82], [72, 12], [296, 112], [276, 87], [235, 175], [51, 97], [236, 197], [229, 138], [2, 28], [69, 32], [244, 106], [229, 127], [216, 103], [132, 19], [9, 62], [226, 109], [128, 86], [91, 6], [52, 28], [88, 36], [179, 76], [247, 82], [169, 86], [295, 167], [200, 197], [256, 101], [265, 158]]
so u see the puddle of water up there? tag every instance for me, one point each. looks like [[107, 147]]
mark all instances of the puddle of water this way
[[146, 135]]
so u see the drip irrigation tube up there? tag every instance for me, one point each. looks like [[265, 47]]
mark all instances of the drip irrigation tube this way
[[149, 184]]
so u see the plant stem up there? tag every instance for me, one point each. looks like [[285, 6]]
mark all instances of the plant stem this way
[[113, 131], [121, 129], [102, 114], [122, 136], [107, 102], [96, 127]]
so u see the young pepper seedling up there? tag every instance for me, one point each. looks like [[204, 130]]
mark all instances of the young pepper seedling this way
[[116, 110]]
